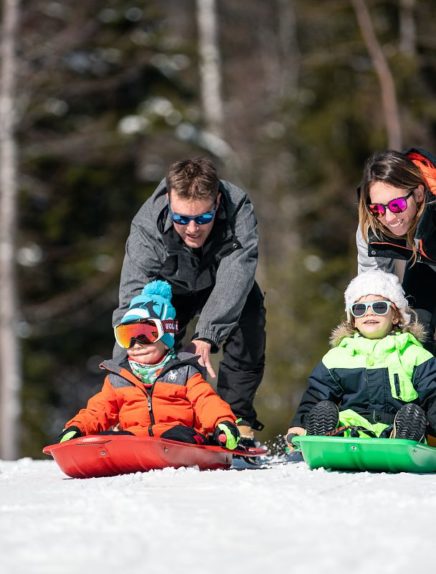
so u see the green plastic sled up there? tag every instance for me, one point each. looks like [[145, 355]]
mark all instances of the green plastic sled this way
[[366, 454]]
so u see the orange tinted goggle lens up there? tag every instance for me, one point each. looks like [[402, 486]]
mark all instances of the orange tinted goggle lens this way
[[143, 332]]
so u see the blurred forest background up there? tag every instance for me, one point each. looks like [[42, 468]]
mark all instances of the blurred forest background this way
[[288, 97]]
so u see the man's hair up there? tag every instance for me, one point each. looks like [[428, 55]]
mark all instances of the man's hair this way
[[193, 179]]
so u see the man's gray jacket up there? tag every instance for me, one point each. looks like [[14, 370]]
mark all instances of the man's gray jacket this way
[[226, 264]]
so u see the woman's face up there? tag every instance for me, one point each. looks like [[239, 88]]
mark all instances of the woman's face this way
[[397, 223]]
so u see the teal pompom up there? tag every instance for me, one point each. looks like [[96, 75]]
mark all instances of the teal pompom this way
[[160, 288]]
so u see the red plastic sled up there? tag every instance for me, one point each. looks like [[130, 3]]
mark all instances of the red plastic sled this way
[[104, 455]]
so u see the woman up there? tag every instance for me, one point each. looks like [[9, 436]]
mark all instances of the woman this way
[[397, 226]]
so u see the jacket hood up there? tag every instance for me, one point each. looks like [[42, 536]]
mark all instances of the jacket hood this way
[[346, 329]]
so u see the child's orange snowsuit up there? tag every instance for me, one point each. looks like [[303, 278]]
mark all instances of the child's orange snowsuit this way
[[179, 396]]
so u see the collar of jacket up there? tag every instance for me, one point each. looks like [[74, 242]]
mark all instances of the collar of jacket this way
[[182, 360], [346, 329], [123, 369], [426, 163], [358, 344]]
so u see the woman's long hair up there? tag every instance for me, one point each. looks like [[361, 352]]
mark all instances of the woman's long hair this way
[[393, 168]]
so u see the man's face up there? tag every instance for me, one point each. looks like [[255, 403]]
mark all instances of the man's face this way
[[193, 234]]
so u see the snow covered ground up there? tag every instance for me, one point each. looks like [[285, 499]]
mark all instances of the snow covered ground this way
[[282, 519]]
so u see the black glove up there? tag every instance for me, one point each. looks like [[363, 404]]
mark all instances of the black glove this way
[[69, 433], [227, 434]]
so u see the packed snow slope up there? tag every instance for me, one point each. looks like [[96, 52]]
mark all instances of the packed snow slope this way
[[282, 519]]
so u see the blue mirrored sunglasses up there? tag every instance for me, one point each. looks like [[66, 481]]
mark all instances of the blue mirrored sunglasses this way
[[200, 219]]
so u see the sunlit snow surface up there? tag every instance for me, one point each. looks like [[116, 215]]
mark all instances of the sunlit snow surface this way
[[281, 519]]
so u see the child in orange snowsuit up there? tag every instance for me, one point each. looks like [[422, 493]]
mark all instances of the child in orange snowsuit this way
[[155, 392]]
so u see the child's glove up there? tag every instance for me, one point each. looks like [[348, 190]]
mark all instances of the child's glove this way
[[227, 434], [293, 431], [70, 433]]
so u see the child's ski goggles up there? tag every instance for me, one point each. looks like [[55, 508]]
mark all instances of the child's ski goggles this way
[[144, 331], [397, 205], [378, 307], [200, 219]]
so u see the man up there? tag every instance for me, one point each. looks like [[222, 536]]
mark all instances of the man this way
[[199, 233]]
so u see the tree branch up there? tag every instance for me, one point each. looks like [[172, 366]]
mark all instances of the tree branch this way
[[385, 78]]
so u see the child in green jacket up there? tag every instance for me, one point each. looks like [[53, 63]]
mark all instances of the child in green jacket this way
[[377, 380]]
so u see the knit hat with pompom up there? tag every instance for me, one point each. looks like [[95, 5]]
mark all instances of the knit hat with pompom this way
[[154, 302]]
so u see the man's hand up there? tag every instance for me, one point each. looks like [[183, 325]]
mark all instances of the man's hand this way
[[202, 348]]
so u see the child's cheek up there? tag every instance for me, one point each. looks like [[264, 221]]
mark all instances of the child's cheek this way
[[377, 333], [135, 351]]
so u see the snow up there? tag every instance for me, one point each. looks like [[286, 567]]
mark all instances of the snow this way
[[286, 518]]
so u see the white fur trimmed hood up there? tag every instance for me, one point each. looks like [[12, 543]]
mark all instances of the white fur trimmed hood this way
[[346, 329]]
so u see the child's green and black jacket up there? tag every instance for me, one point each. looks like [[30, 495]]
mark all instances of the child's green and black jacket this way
[[373, 377]]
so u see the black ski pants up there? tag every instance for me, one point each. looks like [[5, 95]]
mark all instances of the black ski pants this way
[[242, 366], [419, 284]]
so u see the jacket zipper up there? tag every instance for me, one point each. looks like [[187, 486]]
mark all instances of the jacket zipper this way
[[144, 390], [397, 385], [150, 411]]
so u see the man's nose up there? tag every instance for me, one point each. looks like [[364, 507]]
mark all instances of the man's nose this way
[[192, 226]]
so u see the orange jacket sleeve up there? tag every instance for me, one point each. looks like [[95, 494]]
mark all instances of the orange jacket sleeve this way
[[100, 413], [209, 408]]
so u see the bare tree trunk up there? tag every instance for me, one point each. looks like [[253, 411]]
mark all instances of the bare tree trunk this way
[[10, 375], [407, 28], [288, 46], [210, 69], [387, 85]]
